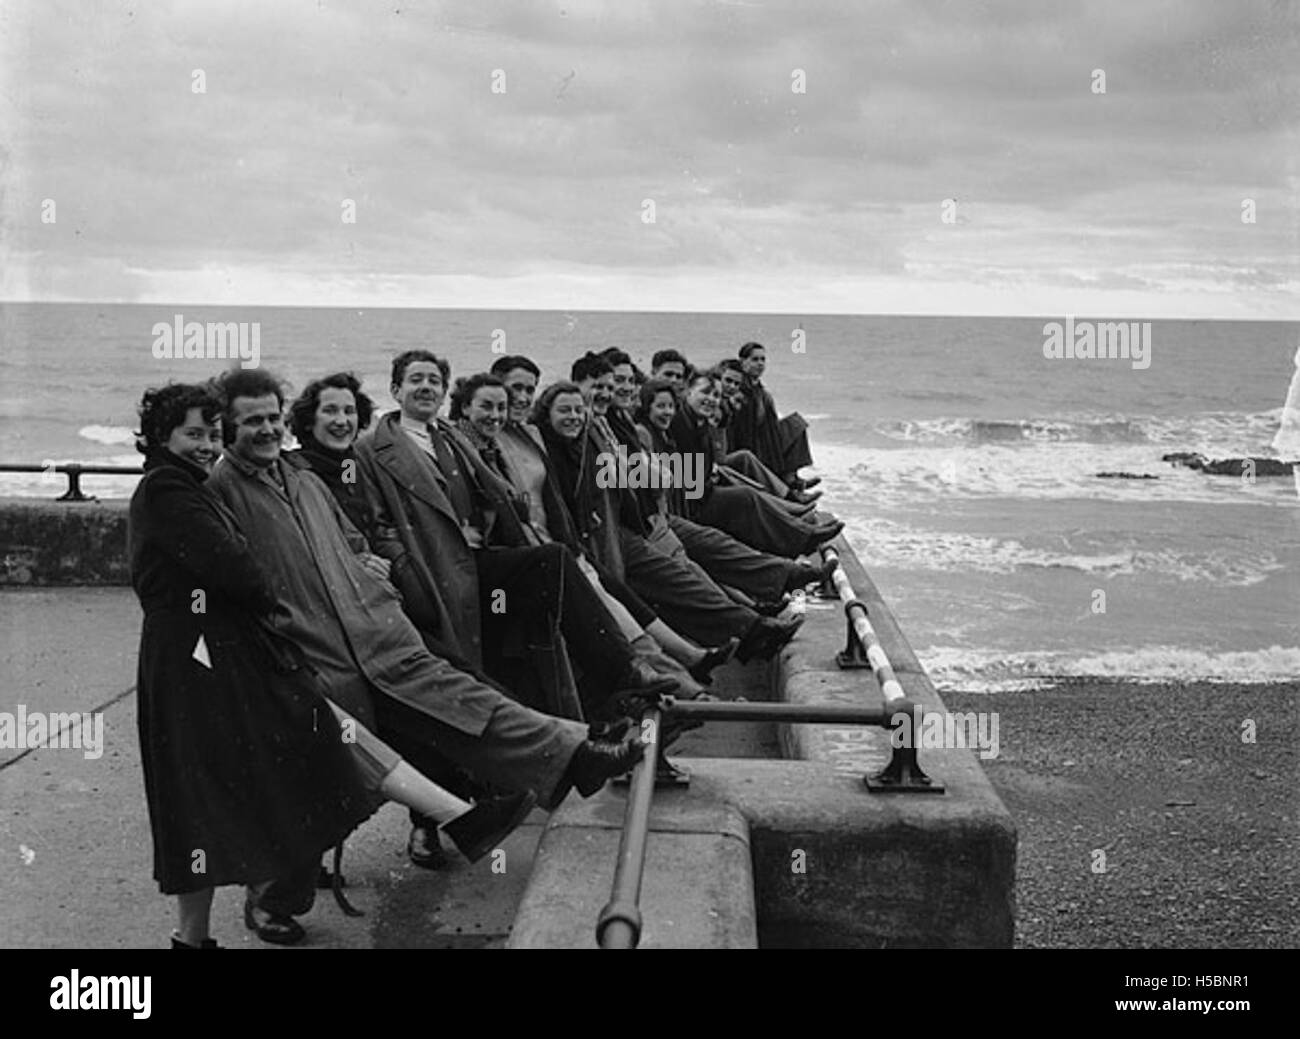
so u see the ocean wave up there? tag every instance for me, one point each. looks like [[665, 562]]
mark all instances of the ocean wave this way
[[923, 474], [881, 542], [107, 434], [1212, 432], [952, 667]]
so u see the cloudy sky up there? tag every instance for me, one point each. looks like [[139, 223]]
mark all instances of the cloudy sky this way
[[534, 194]]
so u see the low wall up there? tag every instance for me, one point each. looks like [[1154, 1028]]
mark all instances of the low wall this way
[[829, 865], [62, 543]]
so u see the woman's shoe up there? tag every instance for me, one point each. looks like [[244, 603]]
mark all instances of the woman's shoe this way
[[278, 930], [488, 823], [206, 943], [714, 658]]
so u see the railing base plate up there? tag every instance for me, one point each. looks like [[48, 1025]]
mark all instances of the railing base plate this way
[[893, 781], [668, 776]]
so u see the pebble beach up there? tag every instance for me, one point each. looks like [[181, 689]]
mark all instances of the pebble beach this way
[[1146, 817]]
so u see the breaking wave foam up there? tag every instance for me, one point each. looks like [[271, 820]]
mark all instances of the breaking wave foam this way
[[954, 668], [881, 542], [107, 434]]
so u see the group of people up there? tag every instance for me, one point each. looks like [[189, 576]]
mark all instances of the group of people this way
[[451, 613]]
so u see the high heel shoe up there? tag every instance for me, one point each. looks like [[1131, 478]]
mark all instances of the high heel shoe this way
[[714, 658], [206, 943]]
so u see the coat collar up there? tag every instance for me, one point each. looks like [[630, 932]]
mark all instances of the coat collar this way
[[397, 453]]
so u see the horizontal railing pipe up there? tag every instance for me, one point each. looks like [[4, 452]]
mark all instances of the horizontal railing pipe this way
[[810, 714], [73, 471]]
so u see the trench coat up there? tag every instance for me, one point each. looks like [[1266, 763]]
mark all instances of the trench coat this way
[[435, 569], [246, 775], [781, 444], [349, 624]]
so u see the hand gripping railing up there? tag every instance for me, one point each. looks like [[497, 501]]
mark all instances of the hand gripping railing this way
[[619, 923], [73, 471]]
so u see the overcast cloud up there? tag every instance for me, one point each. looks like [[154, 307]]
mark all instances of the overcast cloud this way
[[1128, 202]]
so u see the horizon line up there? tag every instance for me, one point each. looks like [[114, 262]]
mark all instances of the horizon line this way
[[624, 310]]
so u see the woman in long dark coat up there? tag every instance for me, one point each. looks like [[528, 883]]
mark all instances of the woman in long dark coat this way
[[246, 774]]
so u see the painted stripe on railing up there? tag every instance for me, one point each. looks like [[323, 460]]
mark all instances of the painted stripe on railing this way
[[876, 656]]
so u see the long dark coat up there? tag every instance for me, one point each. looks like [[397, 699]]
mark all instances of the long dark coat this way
[[245, 771], [781, 444], [434, 567]]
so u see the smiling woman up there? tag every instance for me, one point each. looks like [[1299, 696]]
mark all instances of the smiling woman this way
[[245, 773], [326, 418]]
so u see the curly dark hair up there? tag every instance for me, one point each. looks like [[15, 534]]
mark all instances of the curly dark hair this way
[[466, 387], [542, 406], [243, 382], [589, 366], [668, 356], [503, 366], [650, 389], [302, 412], [407, 358], [163, 408]]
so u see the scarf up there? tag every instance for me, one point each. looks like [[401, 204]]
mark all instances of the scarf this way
[[485, 446], [343, 480]]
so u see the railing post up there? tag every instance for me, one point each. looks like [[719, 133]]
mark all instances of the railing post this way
[[854, 655], [73, 471], [903, 773]]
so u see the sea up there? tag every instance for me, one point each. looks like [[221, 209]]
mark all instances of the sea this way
[[965, 462]]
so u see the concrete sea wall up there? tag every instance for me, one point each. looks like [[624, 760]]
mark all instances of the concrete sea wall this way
[[47, 543], [795, 852]]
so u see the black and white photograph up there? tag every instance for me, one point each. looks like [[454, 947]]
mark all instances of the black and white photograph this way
[[581, 474]]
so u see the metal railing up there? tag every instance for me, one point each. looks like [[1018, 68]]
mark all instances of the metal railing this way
[[73, 471], [619, 923]]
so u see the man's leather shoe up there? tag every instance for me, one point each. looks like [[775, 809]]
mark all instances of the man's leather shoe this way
[[800, 497], [424, 849], [822, 534], [767, 638], [278, 930], [593, 763], [805, 574], [713, 659], [641, 678], [488, 823], [801, 575]]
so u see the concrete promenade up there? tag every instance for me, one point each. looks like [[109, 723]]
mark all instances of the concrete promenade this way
[[75, 847]]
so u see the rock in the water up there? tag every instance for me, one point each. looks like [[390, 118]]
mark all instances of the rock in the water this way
[[1229, 466], [1126, 476]]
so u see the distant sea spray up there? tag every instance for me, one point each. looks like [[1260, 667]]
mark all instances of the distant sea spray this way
[[1287, 441]]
